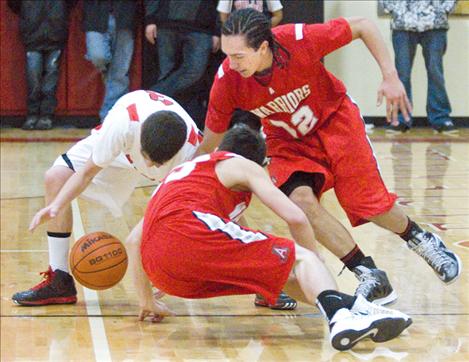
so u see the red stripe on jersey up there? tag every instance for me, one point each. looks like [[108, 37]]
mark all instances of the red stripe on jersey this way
[[98, 126], [193, 137], [133, 115], [129, 158]]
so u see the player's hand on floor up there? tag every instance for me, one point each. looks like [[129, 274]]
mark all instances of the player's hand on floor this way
[[156, 311], [42, 216]]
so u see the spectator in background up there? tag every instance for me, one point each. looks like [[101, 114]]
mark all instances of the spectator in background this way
[[423, 22], [109, 28], [186, 33], [44, 32], [271, 8]]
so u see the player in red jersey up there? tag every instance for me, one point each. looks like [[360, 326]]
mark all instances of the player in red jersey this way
[[315, 134], [193, 247]]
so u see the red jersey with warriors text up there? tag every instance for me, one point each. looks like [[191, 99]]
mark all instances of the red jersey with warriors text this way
[[299, 96]]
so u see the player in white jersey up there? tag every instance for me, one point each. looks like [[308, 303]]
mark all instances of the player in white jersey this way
[[106, 167]]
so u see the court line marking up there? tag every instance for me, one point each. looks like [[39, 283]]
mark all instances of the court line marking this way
[[23, 251], [288, 315], [93, 310]]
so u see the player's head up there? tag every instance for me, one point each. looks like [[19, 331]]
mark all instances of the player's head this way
[[163, 134], [245, 142], [248, 42]]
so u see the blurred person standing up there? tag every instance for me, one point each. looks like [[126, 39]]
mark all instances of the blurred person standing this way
[[271, 8], [423, 22], [109, 28], [44, 33]]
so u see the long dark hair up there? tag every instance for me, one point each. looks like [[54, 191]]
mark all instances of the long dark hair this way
[[256, 27]]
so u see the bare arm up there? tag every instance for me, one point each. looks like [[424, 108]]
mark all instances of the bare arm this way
[[210, 142], [71, 189], [244, 174], [277, 17], [391, 87], [149, 305]]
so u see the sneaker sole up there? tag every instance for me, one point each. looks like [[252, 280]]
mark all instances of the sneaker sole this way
[[387, 300], [61, 300], [286, 306], [379, 331]]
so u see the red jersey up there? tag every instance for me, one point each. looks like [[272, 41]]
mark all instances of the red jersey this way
[[194, 186], [299, 97], [192, 246]]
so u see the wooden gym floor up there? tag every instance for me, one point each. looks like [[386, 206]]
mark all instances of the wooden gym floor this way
[[429, 172]]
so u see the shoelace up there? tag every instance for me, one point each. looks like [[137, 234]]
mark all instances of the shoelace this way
[[47, 275], [367, 283], [431, 253]]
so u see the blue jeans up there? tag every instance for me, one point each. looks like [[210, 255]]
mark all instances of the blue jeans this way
[[433, 44], [42, 75], [111, 53], [176, 74]]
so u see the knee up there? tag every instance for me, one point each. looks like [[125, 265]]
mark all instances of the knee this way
[[55, 178], [306, 200]]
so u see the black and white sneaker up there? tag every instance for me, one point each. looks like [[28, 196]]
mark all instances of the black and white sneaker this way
[[362, 306], [374, 285], [348, 328], [431, 248], [284, 302]]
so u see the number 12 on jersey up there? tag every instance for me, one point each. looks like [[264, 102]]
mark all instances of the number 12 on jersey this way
[[303, 119]]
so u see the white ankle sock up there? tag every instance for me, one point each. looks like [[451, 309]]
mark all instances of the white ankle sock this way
[[58, 251]]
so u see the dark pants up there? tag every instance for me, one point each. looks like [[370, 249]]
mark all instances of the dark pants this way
[[433, 44], [42, 73], [179, 74]]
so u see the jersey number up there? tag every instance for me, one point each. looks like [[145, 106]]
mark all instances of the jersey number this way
[[303, 119]]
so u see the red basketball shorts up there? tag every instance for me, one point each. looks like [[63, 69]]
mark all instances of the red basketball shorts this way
[[186, 258], [341, 151]]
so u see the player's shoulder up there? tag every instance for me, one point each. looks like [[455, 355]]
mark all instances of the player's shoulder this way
[[289, 33]]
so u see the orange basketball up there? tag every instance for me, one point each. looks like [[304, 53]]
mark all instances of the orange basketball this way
[[98, 260]]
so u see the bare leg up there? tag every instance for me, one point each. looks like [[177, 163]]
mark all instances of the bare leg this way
[[55, 178], [394, 220], [330, 232], [311, 277]]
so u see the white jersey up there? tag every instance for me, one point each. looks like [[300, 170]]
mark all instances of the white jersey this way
[[117, 141], [115, 146]]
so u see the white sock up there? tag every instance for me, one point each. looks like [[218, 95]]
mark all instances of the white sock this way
[[58, 250]]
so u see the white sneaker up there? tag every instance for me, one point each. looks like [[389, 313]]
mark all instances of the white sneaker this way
[[348, 328], [364, 307]]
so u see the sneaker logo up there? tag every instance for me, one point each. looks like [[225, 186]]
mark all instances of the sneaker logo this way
[[334, 296], [370, 333]]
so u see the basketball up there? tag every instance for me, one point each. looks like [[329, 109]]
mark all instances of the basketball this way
[[98, 260]]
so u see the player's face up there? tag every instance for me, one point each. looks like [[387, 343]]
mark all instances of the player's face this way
[[244, 59]]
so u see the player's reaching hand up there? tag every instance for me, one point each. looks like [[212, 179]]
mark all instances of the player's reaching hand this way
[[155, 309], [396, 99], [43, 215]]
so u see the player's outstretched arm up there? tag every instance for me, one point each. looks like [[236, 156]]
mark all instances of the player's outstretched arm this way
[[70, 190], [391, 87], [149, 305], [240, 173], [210, 142]]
